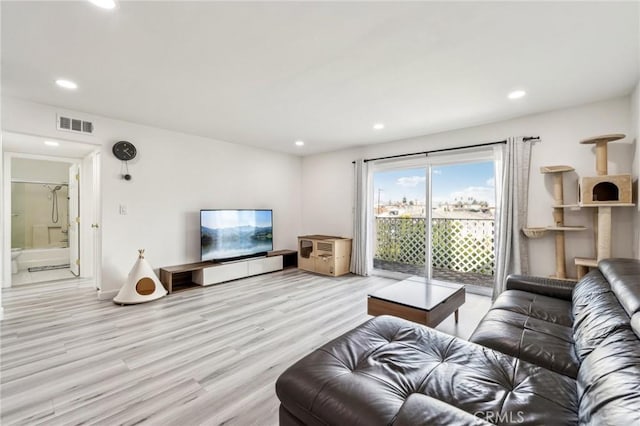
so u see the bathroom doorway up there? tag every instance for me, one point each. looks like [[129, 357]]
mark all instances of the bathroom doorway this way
[[51, 210], [44, 231]]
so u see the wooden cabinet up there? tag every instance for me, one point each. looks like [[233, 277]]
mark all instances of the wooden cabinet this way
[[324, 254]]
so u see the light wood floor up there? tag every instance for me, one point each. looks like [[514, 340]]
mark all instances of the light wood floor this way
[[203, 356]]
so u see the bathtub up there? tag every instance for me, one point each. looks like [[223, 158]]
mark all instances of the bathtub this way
[[43, 257]]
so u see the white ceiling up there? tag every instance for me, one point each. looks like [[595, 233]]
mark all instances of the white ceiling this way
[[266, 74]]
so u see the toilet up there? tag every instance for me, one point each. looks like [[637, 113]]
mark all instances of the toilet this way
[[15, 252]]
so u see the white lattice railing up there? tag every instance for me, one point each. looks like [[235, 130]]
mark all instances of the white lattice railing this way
[[463, 245]]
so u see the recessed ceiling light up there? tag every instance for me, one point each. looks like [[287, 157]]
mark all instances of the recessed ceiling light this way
[[378, 126], [105, 4], [299, 143], [52, 143], [67, 84], [516, 94]]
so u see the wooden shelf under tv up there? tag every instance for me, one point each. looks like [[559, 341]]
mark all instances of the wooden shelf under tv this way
[[180, 277], [189, 275]]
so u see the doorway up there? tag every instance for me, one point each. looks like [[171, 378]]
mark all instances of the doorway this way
[[44, 238], [463, 222], [399, 219], [44, 232], [435, 217]]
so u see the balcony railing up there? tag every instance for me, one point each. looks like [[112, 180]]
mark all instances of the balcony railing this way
[[462, 249]]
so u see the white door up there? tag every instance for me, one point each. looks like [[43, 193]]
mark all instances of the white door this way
[[95, 224], [74, 219]]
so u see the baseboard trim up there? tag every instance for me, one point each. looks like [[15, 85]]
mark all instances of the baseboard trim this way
[[107, 295]]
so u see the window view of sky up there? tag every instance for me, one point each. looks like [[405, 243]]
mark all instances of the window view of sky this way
[[451, 183]]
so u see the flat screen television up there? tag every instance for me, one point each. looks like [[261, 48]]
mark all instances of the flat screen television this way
[[235, 234]]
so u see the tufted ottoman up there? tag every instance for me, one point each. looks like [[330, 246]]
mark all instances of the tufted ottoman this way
[[390, 371]]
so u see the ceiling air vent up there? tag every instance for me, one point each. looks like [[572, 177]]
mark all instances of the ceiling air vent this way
[[74, 125]]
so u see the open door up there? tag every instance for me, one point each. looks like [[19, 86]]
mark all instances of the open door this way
[[74, 219]]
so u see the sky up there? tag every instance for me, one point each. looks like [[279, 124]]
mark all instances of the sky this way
[[449, 183]]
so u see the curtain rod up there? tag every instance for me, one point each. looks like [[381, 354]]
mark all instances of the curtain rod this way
[[38, 182], [525, 139]]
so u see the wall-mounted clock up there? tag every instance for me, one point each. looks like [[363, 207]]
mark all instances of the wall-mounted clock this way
[[124, 151]]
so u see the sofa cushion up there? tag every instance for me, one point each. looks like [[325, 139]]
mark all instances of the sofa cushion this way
[[549, 309], [624, 278], [365, 377], [533, 340], [597, 313], [422, 410], [609, 382], [532, 327], [635, 323]]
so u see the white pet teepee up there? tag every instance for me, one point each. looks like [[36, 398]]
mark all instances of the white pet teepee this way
[[142, 284]]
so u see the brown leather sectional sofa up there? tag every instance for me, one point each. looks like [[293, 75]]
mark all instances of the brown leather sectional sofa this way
[[545, 354]]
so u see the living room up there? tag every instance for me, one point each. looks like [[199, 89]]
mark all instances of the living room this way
[[183, 165]]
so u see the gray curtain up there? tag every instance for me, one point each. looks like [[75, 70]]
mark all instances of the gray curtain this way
[[512, 254], [359, 264]]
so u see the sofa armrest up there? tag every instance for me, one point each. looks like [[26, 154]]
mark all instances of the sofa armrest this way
[[545, 286]]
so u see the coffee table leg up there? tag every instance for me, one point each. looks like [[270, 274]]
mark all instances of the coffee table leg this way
[[455, 314]]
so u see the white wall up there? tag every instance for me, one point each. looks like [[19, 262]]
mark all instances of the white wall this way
[[327, 201], [177, 174], [174, 176], [634, 133]]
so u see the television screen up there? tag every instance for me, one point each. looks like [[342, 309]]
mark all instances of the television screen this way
[[234, 234]]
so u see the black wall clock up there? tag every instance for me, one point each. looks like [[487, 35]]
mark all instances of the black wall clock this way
[[124, 151]]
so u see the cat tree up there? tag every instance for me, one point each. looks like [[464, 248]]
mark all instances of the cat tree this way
[[603, 192], [559, 227]]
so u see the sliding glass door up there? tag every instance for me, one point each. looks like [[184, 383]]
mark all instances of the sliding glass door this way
[[435, 217], [399, 217], [462, 222]]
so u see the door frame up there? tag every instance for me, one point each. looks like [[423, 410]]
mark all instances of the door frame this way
[[6, 243], [471, 155]]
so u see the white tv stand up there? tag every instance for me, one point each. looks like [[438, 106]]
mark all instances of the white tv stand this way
[[221, 272], [190, 275]]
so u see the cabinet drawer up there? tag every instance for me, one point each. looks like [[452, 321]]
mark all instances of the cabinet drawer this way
[[220, 273], [267, 264]]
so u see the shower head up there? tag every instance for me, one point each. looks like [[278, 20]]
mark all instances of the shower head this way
[[56, 188]]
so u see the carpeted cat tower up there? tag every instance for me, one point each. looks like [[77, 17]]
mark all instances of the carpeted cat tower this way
[[142, 284]]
